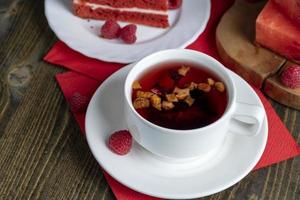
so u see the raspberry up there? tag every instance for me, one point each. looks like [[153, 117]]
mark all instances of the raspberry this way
[[110, 29], [290, 77], [78, 102], [166, 83], [174, 4], [128, 33], [120, 142]]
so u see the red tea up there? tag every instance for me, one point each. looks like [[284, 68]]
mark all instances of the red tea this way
[[179, 96]]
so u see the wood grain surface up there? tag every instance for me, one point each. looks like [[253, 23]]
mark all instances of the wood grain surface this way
[[42, 153]]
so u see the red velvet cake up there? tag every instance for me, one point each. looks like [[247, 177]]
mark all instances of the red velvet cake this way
[[147, 12]]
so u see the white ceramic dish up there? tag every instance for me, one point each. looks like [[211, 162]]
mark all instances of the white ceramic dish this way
[[155, 176], [187, 23]]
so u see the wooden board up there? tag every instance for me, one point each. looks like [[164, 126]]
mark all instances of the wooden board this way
[[235, 43]]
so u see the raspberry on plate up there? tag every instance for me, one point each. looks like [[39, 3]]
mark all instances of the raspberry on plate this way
[[120, 142], [110, 30], [290, 77], [128, 33]]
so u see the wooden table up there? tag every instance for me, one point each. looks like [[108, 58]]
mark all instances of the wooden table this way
[[42, 153]]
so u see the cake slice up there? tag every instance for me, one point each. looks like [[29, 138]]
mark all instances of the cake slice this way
[[276, 31], [146, 12]]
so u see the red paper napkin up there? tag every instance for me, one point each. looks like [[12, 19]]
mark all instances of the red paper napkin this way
[[280, 144], [87, 74]]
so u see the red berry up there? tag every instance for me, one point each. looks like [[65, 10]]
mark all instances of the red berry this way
[[166, 83], [78, 102], [120, 142], [290, 77], [174, 4], [110, 29], [128, 33]]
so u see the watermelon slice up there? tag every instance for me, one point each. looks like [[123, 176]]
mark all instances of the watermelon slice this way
[[291, 8], [277, 32]]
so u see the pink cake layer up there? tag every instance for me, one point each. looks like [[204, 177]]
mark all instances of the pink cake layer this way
[[148, 17], [148, 4]]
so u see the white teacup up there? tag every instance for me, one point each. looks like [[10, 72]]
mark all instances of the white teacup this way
[[238, 117]]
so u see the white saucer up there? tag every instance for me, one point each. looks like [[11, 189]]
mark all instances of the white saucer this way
[[187, 23], [149, 174]]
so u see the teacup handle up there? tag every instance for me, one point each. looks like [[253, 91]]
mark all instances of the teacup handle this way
[[247, 119]]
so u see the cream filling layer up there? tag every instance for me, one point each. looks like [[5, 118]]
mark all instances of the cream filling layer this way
[[139, 10]]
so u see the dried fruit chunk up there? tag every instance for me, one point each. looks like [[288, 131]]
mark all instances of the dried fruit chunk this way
[[181, 94], [141, 103], [136, 85], [171, 98], [189, 100], [156, 101], [142, 94], [193, 86], [204, 87], [120, 142], [220, 86], [210, 81], [183, 70], [167, 105]]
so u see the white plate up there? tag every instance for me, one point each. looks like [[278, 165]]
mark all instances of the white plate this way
[[187, 23], [149, 174]]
